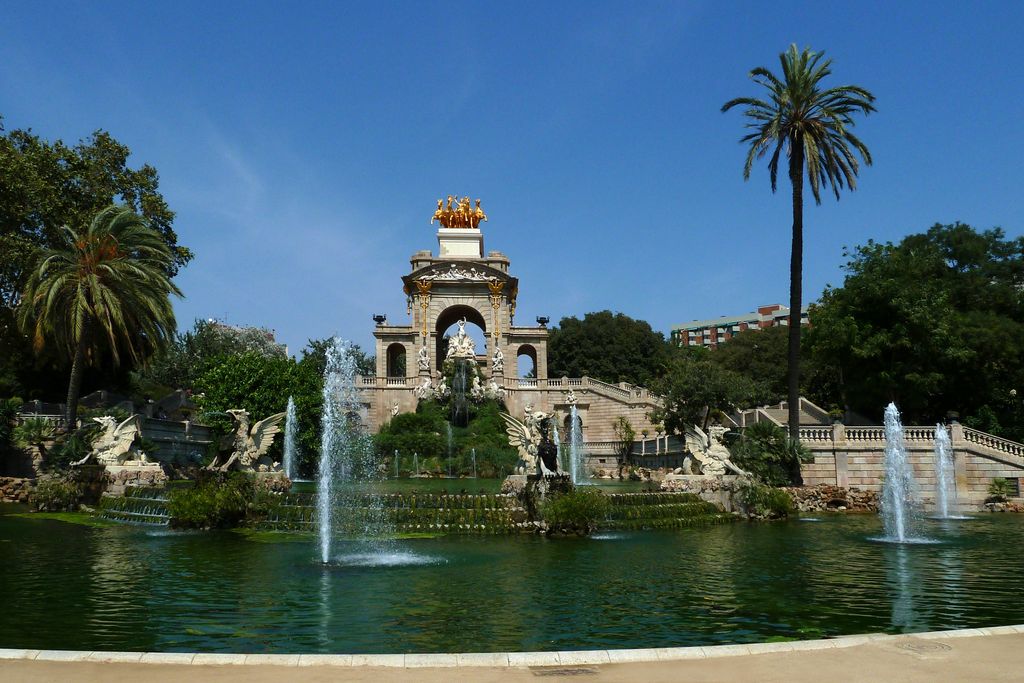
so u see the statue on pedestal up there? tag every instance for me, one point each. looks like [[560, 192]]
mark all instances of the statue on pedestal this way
[[423, 358], [498, 362]]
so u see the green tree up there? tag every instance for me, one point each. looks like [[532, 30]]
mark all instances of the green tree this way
[[760, 355], [935, 323], [625, 437], [43, 187], [611, 347], [812, 125], [261, 385], [694, 389], [193, 352], [315, 354], [104, 292]]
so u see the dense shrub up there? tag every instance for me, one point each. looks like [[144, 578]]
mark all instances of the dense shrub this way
[[767, 452], [579, 511], [425, 433], [999, 490], [56, 494], [765, 501], [219, 501]]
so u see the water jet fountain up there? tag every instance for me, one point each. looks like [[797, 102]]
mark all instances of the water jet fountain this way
[[290, 427], [897, 501]]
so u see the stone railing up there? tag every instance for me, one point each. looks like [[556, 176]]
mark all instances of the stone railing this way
[[526, 383], [600, 447], [816, 434], [396, 381], [995, 443], [865, 434]]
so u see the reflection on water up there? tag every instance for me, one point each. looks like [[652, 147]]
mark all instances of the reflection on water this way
[[130, 589]]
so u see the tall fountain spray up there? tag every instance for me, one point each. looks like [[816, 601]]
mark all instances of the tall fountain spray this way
[[473, 452], [290, 427], [345, 450], [898, 488], [577, 455], [945, 492]]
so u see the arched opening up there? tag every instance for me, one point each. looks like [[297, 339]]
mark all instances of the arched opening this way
[[396, 360], [447, 326], [567, 424], [526, 362]]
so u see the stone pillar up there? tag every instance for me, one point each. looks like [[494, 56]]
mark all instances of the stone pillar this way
[[959, 447], [840, 454]]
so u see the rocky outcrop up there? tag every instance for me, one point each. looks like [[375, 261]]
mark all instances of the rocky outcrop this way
[[15, 489], [828, 498]]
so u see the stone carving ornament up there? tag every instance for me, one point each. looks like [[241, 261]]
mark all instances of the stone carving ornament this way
[[532, 439], [116, 445], [709, 451], [461, 345], [249, 446], [455, 273], [498, 362], [423, 358]]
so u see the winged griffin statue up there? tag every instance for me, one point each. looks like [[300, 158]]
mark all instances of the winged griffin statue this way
[[248, 447], [116, 445], [538, 454], [709, 451]]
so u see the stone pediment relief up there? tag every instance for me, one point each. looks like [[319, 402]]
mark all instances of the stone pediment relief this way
[[453, 272]]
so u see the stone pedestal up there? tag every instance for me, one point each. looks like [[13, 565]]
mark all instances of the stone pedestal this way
[[460, 243]]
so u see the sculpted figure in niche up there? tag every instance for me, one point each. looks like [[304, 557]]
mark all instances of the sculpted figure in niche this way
[[461, 345]]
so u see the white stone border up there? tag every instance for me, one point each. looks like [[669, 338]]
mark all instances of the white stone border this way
[[491, 659]]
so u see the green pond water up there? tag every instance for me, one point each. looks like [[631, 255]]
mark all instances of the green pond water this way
[[116, 587]]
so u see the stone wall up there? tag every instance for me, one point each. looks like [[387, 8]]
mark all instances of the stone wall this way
[[855, 457]]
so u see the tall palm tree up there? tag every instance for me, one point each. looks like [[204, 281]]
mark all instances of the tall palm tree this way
[[812, 125], [105, 290]]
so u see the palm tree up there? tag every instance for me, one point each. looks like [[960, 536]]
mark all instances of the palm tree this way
[[104, 290], [812, 125]]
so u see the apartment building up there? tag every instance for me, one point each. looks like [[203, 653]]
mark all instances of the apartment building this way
[[714, 331]]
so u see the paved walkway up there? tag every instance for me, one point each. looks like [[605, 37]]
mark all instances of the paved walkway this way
[[970, 655]]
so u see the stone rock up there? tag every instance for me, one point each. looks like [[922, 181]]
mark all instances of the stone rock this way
[[826, 497]]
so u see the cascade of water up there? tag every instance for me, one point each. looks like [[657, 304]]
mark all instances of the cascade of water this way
[[396, 463], [460, 404], [577, 456], [415, 464], [448, 431], [290, 427], [473, 452], [558, 444], [898, 488], [944, 489], [346, 454]]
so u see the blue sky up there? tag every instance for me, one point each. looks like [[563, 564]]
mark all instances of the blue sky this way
[[303, 145]]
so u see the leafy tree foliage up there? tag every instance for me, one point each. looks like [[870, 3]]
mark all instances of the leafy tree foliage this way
[[104, 291], [261, 385], [813, 126], [193, 352], [315, 354], [760, 355], [611, 347], [935, 323], [694, 388], [45, 186]]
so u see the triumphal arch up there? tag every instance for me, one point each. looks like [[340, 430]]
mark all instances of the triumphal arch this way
[[464, 284]]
